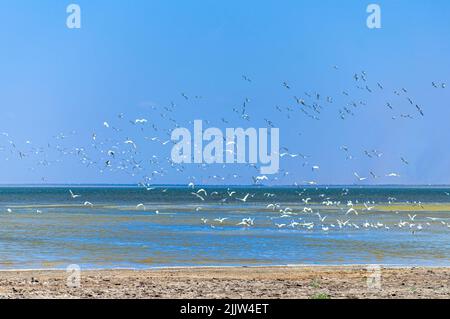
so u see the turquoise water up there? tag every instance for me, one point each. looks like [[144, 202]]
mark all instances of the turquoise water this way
[[47, 228]]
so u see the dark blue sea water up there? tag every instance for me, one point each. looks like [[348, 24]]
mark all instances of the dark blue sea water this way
[[44, 227]]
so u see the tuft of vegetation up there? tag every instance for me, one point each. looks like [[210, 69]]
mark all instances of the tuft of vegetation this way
[[315, 283]]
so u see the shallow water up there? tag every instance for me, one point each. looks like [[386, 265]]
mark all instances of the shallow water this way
[[115, 234]]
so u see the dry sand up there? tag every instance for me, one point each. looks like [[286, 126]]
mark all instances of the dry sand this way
[[264, 282]]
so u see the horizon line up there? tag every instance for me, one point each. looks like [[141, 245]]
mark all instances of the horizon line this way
[[6, 185]]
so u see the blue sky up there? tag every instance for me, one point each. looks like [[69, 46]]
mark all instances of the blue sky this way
[[137, 57]]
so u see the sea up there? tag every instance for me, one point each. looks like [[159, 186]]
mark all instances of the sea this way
[[131, 227]]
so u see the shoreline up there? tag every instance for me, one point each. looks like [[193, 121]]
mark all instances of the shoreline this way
[[233, 267], [275, 282]]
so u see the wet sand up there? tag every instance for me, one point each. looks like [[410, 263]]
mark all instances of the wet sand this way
[[264, 282]]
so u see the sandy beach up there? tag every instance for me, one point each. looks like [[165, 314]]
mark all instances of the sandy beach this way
[[265, 282]]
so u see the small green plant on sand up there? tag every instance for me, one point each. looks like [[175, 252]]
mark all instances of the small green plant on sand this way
[[320, 296], [315, 283]]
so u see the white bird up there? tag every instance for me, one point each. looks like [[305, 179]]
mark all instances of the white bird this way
[[73, 195], [220, 220], [260, 178], [198, 196], [130, 142], [351, 210], [341, 223], [244, 199], [359, 177], [140, 206], [88, 204], [306, 200], [273, 206], [231, 193], [247, 222], [322, 219]]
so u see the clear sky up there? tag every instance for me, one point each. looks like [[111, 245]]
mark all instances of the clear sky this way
[[136, 57]]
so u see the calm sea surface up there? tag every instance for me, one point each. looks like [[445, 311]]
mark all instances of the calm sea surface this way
[[47, 228]]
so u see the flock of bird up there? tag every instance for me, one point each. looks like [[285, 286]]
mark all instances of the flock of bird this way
[[133, 146], [309, 214], [324, 212], [140, 149]]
